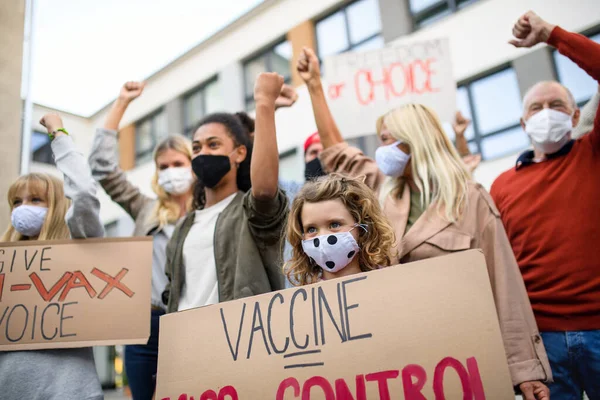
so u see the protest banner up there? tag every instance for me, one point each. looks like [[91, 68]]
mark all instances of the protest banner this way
[[74, 293], [365, 85], [423, 330]]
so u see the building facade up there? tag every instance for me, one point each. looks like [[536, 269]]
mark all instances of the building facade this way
[[218, 75]]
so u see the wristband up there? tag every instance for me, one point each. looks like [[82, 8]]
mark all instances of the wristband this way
[[53, 134]]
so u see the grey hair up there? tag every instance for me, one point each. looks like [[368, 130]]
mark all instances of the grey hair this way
[[572, 101]]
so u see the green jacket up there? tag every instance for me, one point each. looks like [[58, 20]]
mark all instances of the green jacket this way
[[248, 243]]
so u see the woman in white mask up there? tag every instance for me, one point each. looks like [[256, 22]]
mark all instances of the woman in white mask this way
[[43, 208], [436, 209], [173, 184]]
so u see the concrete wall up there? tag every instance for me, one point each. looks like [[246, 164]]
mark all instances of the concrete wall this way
[[12, 18]]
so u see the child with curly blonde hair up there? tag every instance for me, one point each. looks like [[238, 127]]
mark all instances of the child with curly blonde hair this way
[[336, 228]]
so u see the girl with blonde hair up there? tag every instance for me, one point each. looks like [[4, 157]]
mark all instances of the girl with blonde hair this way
[[435, 209], [41, 210], [172, 183], [336, 228]]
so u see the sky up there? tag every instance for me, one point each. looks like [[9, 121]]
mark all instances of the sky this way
[[84, 50]]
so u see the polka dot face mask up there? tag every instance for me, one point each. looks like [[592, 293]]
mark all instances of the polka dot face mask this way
[[334, 251]]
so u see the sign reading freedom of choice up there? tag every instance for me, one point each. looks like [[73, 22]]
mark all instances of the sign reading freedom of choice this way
[[74, 293], [423, 330], [365, 85]]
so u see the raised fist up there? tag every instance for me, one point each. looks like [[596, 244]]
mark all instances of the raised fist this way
[[308, 66], [51, 122], [287, 97], [460, 124], [267, 88], [530, 30], [131, 90]]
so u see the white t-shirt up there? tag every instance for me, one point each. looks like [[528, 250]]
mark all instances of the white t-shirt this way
[[201, 287]]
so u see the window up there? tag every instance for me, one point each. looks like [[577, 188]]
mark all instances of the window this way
[[493, 103], [357, 26], [275, 59], [577, 80], [425, 12], [41, 151], [149, 132], [202, 101]]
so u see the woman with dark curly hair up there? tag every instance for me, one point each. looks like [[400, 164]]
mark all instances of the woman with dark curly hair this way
[[230, 246]]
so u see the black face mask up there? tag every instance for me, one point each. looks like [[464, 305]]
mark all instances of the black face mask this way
[[313, 170], [211, 169]]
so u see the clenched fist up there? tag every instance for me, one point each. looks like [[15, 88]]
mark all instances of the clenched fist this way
[[52, 122], [267, 88], [530, 30], [287, 97], [131, 91], [460, 124], [308, 67]]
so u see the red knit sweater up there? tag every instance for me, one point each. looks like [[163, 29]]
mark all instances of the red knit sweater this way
[[551, 212]]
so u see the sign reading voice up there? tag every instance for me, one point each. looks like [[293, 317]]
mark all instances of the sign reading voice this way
[[76, 293], [365, 85], [423, 330]]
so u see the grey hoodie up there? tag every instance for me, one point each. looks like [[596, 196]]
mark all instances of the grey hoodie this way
[[65, 374]]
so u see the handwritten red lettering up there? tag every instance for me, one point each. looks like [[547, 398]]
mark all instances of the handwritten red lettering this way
[[78, 280], [49, 295], [113, 282], [288, 382], [335, 91], [382, 378], [397, 80], [438, 378], [412, 389], [342, 392], [320, 382]]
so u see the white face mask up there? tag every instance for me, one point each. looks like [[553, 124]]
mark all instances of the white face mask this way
[[176, 180], [332, 252], [548, 130], [391, 160], [28, 220]]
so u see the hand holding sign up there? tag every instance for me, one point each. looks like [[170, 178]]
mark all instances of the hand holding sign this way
[[530, 30], [267, 88], [131, 91], [534, 391], [308, 67]]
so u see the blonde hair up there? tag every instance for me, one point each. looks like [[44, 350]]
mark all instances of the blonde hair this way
[[437, 169], [166, 210], [376, 243], [49, 188]]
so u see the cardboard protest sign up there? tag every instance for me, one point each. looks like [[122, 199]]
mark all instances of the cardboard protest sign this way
[[417, 331], [365, 85], [74, 293]]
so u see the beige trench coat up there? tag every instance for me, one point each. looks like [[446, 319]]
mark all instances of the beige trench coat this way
[[479, 228]]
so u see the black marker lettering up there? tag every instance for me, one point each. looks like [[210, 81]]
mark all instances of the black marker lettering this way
[[42, 324], [2, 262], [292, 331], [314, 316], [256, 328], [347, 308], [28, 262], [237, 344], [24, 326], [62, 318], [323, 301], [287, 339], [12, 263], [42, 259]]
